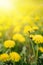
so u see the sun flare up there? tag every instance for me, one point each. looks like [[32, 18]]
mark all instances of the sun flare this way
[[5, 4], [17, 10]]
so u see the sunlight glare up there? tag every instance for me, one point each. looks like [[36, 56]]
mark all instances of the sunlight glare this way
[[5, 4]]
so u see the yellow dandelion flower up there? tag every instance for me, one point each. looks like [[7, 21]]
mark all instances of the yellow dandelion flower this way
[[27, 29], [19, 37], [4, 57], [14, 56], [38, 38], [41, 49], [9, 44]]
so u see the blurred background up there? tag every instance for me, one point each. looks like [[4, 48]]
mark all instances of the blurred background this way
[[19, 11]]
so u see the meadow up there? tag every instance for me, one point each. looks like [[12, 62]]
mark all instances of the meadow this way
[[21, 32]]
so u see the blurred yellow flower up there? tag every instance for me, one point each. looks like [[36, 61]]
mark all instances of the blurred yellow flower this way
[[27, 29], [4, 57], [14, 56], [19, 37], [17, 28], [41, 49], [35, 27], [38, 38], [9, 44]]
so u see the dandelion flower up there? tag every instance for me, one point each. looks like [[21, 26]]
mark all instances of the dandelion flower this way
[[27, 29], [4, 57], [38, 38], [9, 44], [14, 56], [19, 37], [41, 49]]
